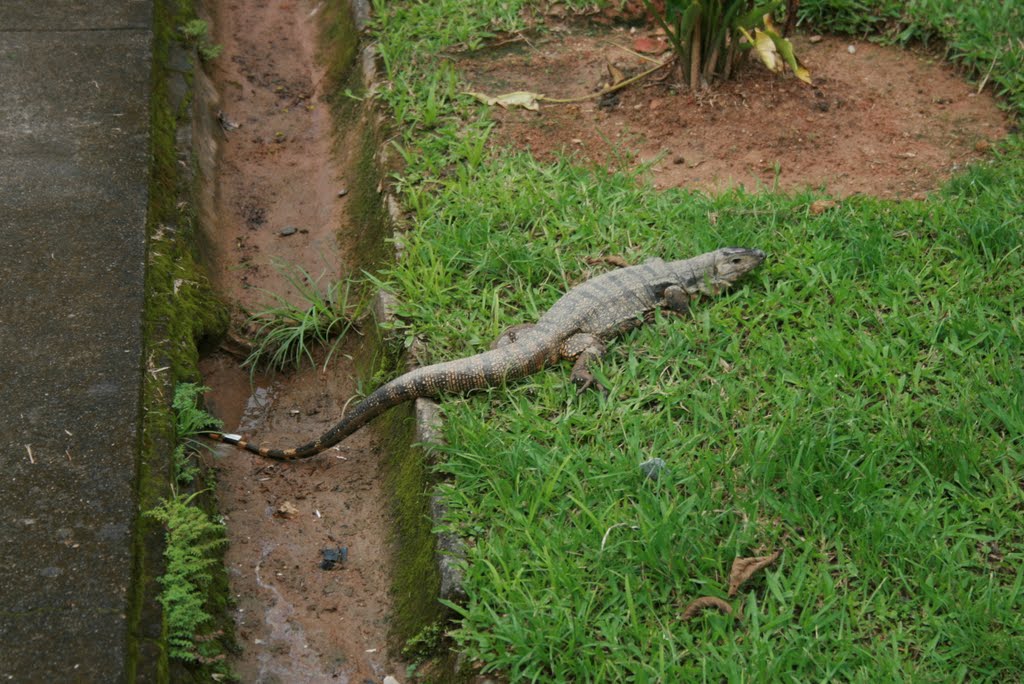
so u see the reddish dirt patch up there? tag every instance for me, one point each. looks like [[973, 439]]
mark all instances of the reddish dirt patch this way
[[281, 169], [878, 121]]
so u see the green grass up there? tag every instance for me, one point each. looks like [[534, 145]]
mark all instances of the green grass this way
[[856, 402], [286, 333], [869, 423]]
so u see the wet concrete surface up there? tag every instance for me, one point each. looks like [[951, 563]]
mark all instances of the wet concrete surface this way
[[74, 161]]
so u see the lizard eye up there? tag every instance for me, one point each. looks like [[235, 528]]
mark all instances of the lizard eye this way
[[737, 260]]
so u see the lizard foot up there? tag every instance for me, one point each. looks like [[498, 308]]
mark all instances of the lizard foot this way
[[584, 380]]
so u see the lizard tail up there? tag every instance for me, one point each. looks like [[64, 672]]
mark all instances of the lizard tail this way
[[379, 401], [482, 370]]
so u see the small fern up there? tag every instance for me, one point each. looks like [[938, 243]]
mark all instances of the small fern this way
[[190, 422], [193, 541]]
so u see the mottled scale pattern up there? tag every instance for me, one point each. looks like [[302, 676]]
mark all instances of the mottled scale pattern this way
[[597, 309]]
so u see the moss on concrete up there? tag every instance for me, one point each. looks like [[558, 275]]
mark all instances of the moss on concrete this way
[[181, 314], [416, 581]]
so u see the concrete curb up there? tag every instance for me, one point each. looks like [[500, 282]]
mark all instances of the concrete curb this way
[[450, 548]]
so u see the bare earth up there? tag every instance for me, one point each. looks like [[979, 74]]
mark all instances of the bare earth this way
[[878, 121]]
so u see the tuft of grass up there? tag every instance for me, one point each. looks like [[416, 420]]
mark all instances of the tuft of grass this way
[[286, 332], [196, 33]]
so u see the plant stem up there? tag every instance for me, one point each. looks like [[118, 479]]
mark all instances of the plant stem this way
[[695, 56]]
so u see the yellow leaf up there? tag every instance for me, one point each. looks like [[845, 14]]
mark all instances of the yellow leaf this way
[[764, 47], [519, 98], [785, 48]]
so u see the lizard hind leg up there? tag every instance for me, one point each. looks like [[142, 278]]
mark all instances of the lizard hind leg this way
[[584, 348]]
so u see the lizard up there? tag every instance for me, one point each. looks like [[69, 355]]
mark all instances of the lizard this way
[[574, 328]]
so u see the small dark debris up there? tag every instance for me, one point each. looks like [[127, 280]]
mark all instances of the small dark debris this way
[[943, 101], [653, 468], [288, 230], [226, 123], [332, 557], [609, 100]]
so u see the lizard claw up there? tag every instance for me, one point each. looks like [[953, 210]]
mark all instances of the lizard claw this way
[[585, 380]]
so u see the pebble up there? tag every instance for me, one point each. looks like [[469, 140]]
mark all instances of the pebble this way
[[288, 230], [652, 468], [852, 49], [342, 192]]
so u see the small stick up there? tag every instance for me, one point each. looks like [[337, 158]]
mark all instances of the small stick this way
[[984, 80], [633, 52], [609, 89], [31, 459]]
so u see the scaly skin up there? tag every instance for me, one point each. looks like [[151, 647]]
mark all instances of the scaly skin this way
[[574, 328]]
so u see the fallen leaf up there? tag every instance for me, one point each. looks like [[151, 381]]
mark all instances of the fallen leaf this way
[[519, 98], [651, 46], [286, 510], [613, 260], [764, 48], [745, 568], [615, 74], [821, 206], [703, 603]]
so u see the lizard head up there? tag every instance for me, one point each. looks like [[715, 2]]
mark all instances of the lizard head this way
[[730, 264]]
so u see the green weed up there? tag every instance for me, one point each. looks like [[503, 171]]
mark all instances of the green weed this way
[[192, 553], [286, 332], [197, 33], [190, 422]]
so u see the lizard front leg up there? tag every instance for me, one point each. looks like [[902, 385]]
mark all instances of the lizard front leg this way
[[677, 300], [584, 348]]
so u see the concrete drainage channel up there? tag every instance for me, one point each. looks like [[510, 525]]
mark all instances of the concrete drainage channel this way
[[88, 459], [296, 620]]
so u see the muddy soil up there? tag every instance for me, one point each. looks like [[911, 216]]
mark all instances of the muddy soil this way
[[877, 120], [280, 194]]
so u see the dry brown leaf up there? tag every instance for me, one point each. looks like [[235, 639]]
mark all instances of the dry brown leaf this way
[[651, 46], [613, 260], [519, 98], [703, 603], [821, 206], [745, 568], [615, 75]]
